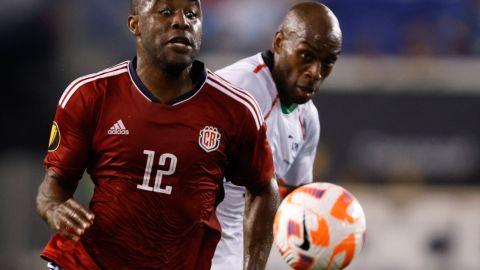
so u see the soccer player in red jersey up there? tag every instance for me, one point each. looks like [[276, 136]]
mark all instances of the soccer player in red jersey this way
[[157, 135]]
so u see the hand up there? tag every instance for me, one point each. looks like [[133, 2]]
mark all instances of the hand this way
[[70, 219]]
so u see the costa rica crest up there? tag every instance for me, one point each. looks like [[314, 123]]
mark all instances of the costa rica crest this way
[[209, 139]]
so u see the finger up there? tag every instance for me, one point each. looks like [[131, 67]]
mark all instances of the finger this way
[[80, 210], [69, 235], [70, 222], [76, 213], [68, 231]]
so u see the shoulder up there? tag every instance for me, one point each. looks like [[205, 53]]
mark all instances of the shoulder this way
[[242, 67], [235, 97], [87, 85], [253, 75], [250, 71]]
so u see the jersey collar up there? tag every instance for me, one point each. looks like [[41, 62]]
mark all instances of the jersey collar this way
[[287, 110], [199, 76], [267, 57]]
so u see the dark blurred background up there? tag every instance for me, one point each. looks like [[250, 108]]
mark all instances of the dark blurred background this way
[[400, 114]]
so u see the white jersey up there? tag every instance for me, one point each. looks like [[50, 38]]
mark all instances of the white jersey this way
[[293, 135]]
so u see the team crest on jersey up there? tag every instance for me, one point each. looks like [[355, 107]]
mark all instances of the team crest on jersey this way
[[209, 138], [54, 141]]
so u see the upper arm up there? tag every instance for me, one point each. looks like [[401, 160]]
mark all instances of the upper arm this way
[[251, 163], [71, 135]]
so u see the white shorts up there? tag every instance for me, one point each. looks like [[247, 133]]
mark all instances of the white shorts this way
[[53, 266]]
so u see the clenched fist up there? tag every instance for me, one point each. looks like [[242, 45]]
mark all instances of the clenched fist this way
[[70, 219]]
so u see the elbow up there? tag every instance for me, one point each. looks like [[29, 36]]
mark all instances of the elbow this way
[[275, 193], [269, 195]]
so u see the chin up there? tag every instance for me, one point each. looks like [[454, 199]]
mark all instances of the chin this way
[[178, 65], [302, 100]]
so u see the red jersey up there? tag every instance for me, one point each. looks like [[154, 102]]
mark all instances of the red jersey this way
[[157, 167]]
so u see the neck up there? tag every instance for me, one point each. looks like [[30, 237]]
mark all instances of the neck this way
[[285, 101], [162, 82], [277, 79]]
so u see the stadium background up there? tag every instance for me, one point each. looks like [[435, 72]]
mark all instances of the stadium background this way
[[400, 114]]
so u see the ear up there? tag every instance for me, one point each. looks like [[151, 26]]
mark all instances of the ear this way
[[278, 42], [133, 25]]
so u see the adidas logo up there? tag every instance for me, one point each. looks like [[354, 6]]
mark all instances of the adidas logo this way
[[118, 129]]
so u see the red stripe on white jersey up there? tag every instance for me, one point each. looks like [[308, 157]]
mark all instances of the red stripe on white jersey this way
[[271, 108], [86, 77], [239, 92], [302, 126], [259, 67]]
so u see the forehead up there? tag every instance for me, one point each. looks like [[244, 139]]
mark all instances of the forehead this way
[[186, 2], [148, 4], [317, 40]]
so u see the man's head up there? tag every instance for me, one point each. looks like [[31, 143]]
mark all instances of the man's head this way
[[305, 48], [168, 32]]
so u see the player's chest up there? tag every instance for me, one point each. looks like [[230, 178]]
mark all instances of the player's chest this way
[[285, 134], [135, 129]]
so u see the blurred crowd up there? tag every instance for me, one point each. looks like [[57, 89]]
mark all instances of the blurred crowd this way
[[371, 27], [46, 44]]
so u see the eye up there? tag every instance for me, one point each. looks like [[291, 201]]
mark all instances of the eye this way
[[166, 12], [329, 61], [307, 57], [191, 15]]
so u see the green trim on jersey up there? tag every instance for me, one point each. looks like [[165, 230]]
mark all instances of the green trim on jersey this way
[[285, 185], [287, 110]]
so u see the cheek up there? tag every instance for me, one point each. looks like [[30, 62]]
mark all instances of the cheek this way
[[326, 71], [290, 72], [297, 69], [293, 77], [197, 32]]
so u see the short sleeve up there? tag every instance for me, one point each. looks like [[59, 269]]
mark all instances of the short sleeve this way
[[71, 134], [251, 163]]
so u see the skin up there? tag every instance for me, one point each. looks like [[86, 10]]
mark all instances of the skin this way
[[168, 37], [306, 47], [260, 209], [55, 204]]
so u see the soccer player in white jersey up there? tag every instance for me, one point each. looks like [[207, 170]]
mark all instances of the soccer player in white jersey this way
[[283, 81]]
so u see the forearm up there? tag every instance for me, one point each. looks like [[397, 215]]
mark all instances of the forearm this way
[[55, 204], [260, 210], [51, 193]]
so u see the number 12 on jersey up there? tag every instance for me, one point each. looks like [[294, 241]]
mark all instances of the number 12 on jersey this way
[[160, 173]]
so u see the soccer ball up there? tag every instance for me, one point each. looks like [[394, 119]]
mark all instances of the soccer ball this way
[[319, 226]]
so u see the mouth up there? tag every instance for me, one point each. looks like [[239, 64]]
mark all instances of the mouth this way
[[180, 41], [306, 89]]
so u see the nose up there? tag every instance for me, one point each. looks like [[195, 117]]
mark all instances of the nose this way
[[180, 21], [314, 71]]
